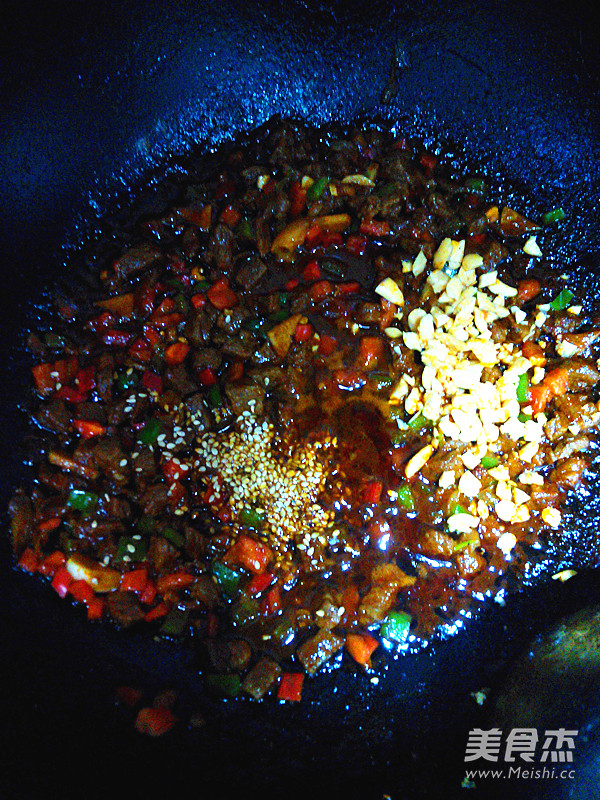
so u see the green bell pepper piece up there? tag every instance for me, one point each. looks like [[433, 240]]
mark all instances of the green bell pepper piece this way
[[227, 685], [396, 626], [150, 432], [80, 500], [562, 300], [523, 388], [316, 190], [228, 580]]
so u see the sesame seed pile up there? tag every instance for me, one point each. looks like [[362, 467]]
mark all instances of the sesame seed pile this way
[[281, 481], [465, 401]]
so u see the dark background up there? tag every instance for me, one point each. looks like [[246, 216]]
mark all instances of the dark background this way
[[92, 96]]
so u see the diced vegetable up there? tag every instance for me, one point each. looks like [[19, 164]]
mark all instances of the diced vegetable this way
[[562, 300], [523, 388], [554, 215], [80, 500], [151, 431], [290, 687], [100, 578], [405, 498], [361, 647], [225, 685], [228, 580], [396, 626]]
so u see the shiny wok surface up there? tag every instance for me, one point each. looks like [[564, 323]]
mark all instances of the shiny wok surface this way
[[96, 95]]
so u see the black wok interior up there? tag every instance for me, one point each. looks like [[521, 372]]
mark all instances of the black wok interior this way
[[95, 95]]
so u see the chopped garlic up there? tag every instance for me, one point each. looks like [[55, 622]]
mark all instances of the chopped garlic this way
[[552, 517], [390, 291], [462, 522], [418, 461], [532, 248]]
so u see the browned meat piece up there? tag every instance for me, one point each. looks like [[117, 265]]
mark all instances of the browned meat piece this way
[[232, 320], [136, 259], [547, 495], [318, 650], [469, 562], [264, 354], [570, 444], [368, 313], [581, 341], [198, 327], [155, 499], [205, 592], [104, 376], [220, 250], [229, 654], [109, 456], [69, 464], [245, 397], [572, 409], [251, 272], [207, 358], [196, 406], [241, 345], [581, 374], [118, 507], [436, 543], [261, 677], [53, 416], [124, 608], [180, 380], [144, 466], [21, 526], [570, 472], [162, 555], [386, 581]]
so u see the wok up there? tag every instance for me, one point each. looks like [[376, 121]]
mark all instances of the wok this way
[[93, 97]]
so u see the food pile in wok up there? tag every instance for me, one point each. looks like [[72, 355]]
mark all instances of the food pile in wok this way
[[312, 412]]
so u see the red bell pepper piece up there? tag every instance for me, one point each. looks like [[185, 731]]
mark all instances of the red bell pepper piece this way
[[61, 580], [260, 582], [48, 525], [116, 338], [140, 350], [327, 345], [221, 295], [148, 596], [303, 332], [176, 353], [313, 237], [174, 470], [88, 428], [152, 382], [370, 351], [250, 554], [372, 493], [129, 695], [95, 608], [157, 612], [356, 244], [198, 300], [297, 198], [29, 560], [52, 562], [428, 162], [291, 284], [375, 228], [134, 581], [331, 240], [230, 216], [85, 380], [168, 320], [207, 377], [348, 288], [290, 686], [312, 271], [361, 647], [320, 290], [271, 604], [82, 592], [71, 395], [155, 721], [174, 581]]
